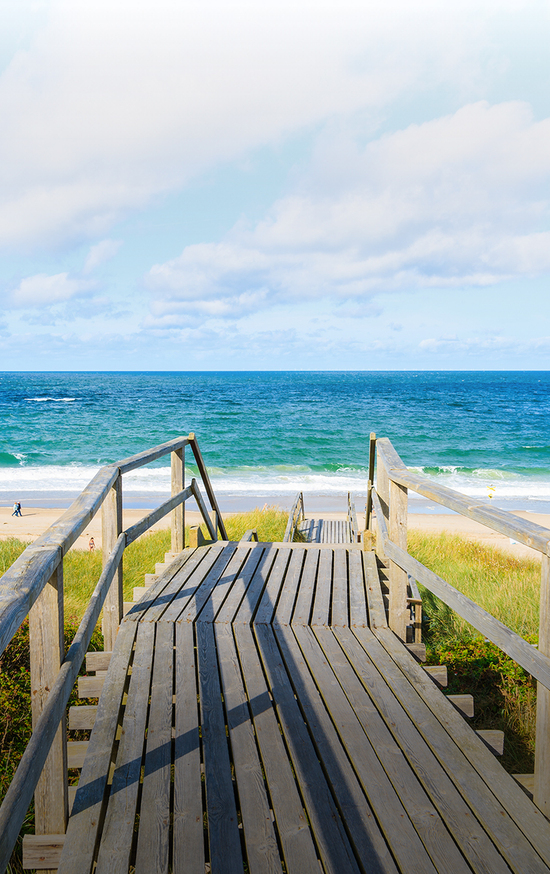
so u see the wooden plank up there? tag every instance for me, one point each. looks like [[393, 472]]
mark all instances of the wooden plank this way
[[463, 703], [153, 843], [188, 848], [266, 606], [256, 588], [424, 768], [177, 519], [111, 528], [82, 830], [357, 595], [203, 592], [76, 753], [90, 687], [527, 781], [223, 827], [541, 792], [98, 661], [488, 790], [287, 598], [239, 588], [224, 585], [423, 843], [302, 610], [323, 590], [438, 673], [118, 828], [493, 739], [168, 601], [149, 455], [47, 651], [82, 718], [261, 844], [418, 650], [42, 852], [336, 852], [377, 610], [361, 824], [339, 609], [292, 826]]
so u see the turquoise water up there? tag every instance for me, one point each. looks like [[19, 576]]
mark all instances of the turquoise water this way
[[264, 436]]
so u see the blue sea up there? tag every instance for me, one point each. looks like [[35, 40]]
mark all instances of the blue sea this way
[[265, 435]]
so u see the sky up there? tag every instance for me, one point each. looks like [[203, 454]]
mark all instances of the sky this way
[[221, 185]]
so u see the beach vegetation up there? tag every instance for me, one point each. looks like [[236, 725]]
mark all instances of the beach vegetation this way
[[508, 588]]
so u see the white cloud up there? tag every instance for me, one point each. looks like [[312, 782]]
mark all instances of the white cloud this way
[[109, 104], [100, 253], [43, 290], [458, 201]]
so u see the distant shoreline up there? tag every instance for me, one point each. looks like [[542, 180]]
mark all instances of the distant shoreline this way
[[36, 520]]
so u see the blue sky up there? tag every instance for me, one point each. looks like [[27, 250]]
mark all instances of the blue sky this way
[[277, 185]]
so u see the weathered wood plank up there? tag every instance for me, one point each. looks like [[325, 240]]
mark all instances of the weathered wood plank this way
[[339, 609], [323, 590], [261, 844], [78, 855], [541, 792], [266, 606], [438, 787], [224, 585], [223, 831], [90, 687], [202, 594], [118, 828], [98, 661], [438, 673], [153, 843], [171, 595], [397, 529], [173, 504], [353, 805], [111, 529], [330, 835], [177, 481], [357, 595], [292, 825], [239, 588], [287, 598], [256, 588], [377, 610], [302, 610], [82, 718], [207, 485], [494, 796], [188, 848], [42, 852], [76, 753], [463, 703], [493, 739], [149, 455]]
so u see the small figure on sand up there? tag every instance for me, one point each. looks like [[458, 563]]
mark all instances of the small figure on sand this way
[[17, 509], [91, 544]]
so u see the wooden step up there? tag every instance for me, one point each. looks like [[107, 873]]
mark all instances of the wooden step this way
[[90, 687], [527, 781], [161, 566], [76, 752], [127, 606], [438, 673], [97, 661], [150, 579], [139, 592], [82, 718], [42, 852], [418, 650], [493, 739], [170, 556], [463, 703]]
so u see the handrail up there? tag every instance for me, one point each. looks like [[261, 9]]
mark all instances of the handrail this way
[[24, 581], [294, 516], [352, 520], [507, 640], [519, 529]]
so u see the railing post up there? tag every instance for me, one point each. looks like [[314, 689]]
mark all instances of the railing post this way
[[178, 514], [47, 651], [111, 528], [397, 531], [541, 795]]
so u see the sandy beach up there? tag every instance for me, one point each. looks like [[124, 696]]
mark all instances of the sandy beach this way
[[36, 520]]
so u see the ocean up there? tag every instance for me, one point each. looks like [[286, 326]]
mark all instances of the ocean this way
[[267, 435]]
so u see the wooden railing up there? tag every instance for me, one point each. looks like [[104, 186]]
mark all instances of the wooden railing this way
[[296, 514], [393, 480], [33, 586]]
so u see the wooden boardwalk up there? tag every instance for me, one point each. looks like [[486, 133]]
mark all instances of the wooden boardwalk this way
[[259, 716]]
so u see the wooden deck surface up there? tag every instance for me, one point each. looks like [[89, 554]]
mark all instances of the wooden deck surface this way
[[259, 716]]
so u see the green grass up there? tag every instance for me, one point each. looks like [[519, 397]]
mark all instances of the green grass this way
[[508, 588]]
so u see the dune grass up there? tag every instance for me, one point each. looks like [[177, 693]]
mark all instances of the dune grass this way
[[508, 588]]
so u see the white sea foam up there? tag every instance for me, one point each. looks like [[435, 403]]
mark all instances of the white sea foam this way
[[42, 400]]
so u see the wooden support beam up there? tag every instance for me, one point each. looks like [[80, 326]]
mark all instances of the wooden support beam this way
[[178, 513], [541, 793], [47, 651], [397, 530], [111, 528]]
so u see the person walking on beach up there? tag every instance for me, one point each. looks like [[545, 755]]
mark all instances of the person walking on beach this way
[[91, 544], [15, 509]]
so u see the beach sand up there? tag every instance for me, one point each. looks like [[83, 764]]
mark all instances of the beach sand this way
[[36, 520]]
